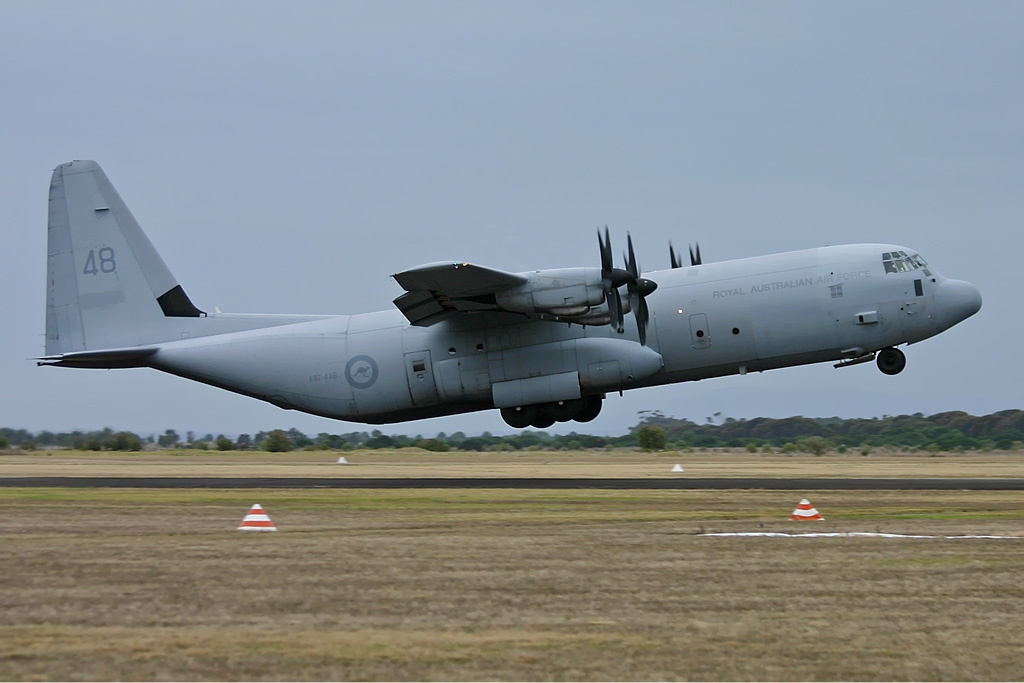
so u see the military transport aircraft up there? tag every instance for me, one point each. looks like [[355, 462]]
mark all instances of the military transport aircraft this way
[[541, 346]]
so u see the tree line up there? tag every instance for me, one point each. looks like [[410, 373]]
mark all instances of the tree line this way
[[950, 431]]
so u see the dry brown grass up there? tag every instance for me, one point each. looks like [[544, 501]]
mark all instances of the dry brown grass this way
[[414, 462], [489, 584]]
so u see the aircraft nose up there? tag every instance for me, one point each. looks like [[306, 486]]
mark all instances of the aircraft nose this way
[[957, 300]]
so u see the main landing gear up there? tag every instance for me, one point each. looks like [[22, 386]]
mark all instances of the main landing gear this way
[[544, 415], [891, 361]]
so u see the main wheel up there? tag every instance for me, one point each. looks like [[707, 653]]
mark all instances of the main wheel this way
[[519, 416], [563, 411], [543, 420], [891, 361], [591, 409]]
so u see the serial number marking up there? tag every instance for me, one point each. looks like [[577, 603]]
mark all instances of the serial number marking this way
[[106, 263], [323, 377]]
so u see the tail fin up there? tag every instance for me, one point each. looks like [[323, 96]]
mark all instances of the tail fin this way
[[106, 285]]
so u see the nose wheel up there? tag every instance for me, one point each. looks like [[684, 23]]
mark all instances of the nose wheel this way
[[891, 361]]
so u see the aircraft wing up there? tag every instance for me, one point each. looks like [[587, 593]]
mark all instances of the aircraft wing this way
[[436, 289]]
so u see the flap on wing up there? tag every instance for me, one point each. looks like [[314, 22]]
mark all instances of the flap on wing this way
[[420, 307], [456, 280]]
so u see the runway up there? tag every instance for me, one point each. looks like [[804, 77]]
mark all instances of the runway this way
[[719, 483]]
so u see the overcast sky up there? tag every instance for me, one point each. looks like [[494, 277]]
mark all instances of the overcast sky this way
[[291, 157]]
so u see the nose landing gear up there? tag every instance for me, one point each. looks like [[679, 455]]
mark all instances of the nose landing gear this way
[[891, 361]]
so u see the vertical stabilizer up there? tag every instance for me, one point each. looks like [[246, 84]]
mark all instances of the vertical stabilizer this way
[[106, 285]]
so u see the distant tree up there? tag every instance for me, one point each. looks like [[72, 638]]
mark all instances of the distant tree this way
[[169, 439], [297, 438], [1007, 439], [433, 445], [651, 438], [225, 444], [123, 441], [4, 443], [244, 442], [379, 440], [473, 443], [277, 442], [751, 447], [814, 444], [27, 445], [789, 447], [208, 437], [190, 437]]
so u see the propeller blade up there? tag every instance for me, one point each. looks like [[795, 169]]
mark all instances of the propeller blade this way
[[642, 317], [631, 259], [606, 251], [673, 257], [695, 258], [613, 277], [615, 310]]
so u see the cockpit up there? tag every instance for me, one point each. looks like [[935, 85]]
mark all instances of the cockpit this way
[[902, 262]]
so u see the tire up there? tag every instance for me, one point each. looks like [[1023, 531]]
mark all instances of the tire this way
[[543, 419], [519, 416], [563, 411], [591, 409], [891, 361]]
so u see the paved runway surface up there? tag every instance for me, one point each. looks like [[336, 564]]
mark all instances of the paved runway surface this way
[[513, 483]]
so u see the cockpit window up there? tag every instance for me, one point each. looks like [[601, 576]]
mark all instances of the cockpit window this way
[[902, 262]]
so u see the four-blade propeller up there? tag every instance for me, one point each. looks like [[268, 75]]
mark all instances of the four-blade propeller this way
[[637, 288], [677, 261]]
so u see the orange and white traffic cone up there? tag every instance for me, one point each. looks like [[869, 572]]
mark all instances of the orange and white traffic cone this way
[[805, 512], [257, 520]]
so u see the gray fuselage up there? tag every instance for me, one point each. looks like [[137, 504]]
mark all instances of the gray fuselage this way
[[711, 320]]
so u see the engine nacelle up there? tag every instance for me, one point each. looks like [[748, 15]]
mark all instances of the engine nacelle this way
[[565, 292]]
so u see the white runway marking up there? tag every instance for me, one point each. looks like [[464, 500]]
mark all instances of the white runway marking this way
[[843, 534]]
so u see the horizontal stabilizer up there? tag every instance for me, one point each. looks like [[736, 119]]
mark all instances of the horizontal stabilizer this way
[[108, 358]]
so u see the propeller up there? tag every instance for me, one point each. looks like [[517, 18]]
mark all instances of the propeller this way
[[674, 258], [677, 260], [639, 289], [611, 279]]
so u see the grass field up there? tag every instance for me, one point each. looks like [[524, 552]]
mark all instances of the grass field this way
[[508, 584], [414, 462]]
